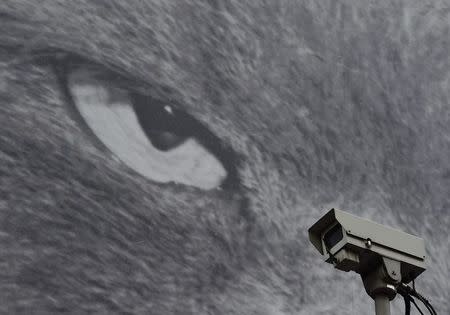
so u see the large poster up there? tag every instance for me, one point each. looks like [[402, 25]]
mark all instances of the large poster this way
[[168, 157]]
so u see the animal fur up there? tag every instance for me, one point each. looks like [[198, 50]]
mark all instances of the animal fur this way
[[325, 104]]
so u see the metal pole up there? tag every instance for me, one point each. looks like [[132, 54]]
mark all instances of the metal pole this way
[[382, 306]]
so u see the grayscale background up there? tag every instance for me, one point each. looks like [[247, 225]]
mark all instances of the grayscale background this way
[[311, 105]]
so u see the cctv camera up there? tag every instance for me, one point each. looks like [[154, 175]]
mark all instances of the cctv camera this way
[[353, 243]]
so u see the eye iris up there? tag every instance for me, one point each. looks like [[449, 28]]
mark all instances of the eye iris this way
[[165, 127]]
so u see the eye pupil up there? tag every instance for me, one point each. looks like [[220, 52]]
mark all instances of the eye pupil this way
[[165, 141], [164, 126]]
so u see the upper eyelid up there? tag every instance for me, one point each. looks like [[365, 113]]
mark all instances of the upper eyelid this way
[[64, 62], [103, 72]]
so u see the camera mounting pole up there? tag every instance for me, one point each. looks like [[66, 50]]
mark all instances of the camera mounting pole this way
[[381, 282]]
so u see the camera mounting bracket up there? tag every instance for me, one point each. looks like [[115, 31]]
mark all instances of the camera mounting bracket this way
[[381, 283]]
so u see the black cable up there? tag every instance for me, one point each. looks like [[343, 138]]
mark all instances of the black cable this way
[[417, 306], [407, 292], [427, 304], [432, 308], [407, 299]]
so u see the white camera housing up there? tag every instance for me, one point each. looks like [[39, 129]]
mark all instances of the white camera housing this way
[[353, 243]]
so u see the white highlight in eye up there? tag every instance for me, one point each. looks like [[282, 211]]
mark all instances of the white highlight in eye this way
[[168, 109], [109, 113]]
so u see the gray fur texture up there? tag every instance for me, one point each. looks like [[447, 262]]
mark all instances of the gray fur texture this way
[[325, 103]]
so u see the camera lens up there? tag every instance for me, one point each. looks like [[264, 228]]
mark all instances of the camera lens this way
[[333, 236]]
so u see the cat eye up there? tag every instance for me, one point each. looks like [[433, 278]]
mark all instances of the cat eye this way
[[156, 139]]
